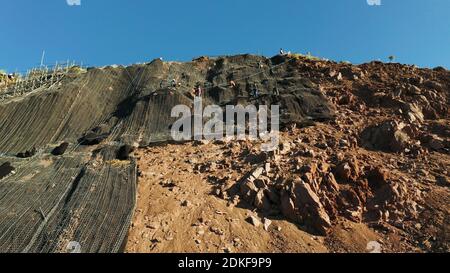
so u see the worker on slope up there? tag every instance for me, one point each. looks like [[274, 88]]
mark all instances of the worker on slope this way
[[199, 91], [255, 91]]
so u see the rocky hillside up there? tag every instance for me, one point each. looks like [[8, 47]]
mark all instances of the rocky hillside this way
[[377, 173], [364, 157]]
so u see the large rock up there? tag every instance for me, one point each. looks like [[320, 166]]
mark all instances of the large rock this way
[[412, 112], [309, 208], [387, 136], [348, 170], [248, 190], [434, 142], [395, 199], [254, 220], [248, 187], [287, 206], [304, 195], [377, 177], [330, 182], [261, 201]]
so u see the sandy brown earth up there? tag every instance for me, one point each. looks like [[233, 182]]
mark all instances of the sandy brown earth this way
[[182, 209], [179, 211], [373, 179]]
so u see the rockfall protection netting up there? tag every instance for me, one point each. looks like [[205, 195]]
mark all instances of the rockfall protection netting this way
[[87, 195]]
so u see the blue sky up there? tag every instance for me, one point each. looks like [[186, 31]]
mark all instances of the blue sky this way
[[101, 32]]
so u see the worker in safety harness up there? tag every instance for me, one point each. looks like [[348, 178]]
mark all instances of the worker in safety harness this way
[[255, 91]]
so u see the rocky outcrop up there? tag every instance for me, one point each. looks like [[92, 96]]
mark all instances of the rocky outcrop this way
[[309, 209], [387, 136]]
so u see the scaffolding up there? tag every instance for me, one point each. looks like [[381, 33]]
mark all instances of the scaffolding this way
[[43, 76]]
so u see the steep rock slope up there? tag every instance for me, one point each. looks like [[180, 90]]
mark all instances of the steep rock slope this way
[[86, 194]]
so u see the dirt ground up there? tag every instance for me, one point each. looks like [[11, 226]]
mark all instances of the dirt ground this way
[[179, 212], [179, 209]]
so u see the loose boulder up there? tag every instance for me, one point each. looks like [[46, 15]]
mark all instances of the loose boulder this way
[[310, 209], [262, 202], [434, 142], [377, 177], [287, 206], [348, 170], [248, 190], [387, 136]]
